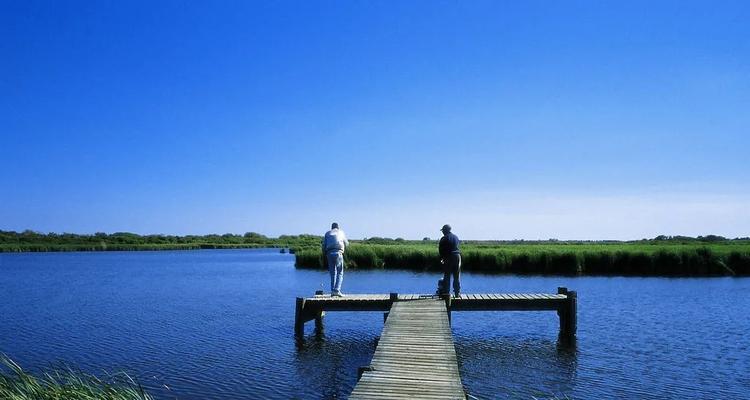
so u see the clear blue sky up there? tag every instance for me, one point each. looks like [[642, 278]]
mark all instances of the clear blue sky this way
[[570, 120]]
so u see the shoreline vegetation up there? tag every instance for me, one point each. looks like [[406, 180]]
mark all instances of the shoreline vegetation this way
[[661, 256], [65, 383]]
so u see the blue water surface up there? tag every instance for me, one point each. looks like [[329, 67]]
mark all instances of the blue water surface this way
[[218, 324]]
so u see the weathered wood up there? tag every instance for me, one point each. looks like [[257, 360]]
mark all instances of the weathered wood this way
[[562, 310], [567, 312], [319, 320], [564, 302], [362, 370], [415, 357], [299, 324], [571, 321]]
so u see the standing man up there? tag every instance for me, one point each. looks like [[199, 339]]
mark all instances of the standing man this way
[[450, 257], [334, 244]]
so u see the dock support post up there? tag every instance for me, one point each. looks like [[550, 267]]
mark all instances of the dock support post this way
[[299, 321], [572, 313], [393, 297], [319, 320], [362, 370], [447, 298], [567, 313]]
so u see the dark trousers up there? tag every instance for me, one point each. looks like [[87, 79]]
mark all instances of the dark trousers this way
[[452, 266]]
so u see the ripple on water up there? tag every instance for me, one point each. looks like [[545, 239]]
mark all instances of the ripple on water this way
[[218, 324]]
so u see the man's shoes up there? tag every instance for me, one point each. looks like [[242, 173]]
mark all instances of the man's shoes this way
[[456, 294], [337, 294]]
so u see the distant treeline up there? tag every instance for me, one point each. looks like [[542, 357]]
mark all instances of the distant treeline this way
[[34, 241], [709, 255]]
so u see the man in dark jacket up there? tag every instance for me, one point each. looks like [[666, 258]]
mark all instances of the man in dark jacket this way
[[450, 257]]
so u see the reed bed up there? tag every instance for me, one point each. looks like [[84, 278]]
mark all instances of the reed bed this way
[[17, 384], [662, 256], [564, 259], [36, 248], [29, 241]]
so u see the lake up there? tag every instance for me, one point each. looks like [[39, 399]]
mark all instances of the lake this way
[[219, 324]]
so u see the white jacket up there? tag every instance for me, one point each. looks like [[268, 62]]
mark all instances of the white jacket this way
[[334, 240]]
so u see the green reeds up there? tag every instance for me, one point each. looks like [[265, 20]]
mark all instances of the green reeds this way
[[35, 248], [564, 259], [17, 384], [663, 256]]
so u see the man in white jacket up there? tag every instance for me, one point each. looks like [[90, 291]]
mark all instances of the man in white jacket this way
[[333, 246]]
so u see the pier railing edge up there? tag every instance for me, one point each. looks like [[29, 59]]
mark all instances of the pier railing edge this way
[[305, 311]]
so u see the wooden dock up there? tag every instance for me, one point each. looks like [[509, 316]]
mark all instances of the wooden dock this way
[[564, 302], [415, 357]]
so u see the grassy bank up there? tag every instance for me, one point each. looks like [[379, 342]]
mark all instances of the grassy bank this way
[[628, 259], [29, 241], [661, 256], [17, 384], [34, 248]]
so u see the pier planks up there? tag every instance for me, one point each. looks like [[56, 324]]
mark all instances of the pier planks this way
[[564, 302], [415, 357]]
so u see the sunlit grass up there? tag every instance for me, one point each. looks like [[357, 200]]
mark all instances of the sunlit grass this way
[[65, 384], [626, 259]]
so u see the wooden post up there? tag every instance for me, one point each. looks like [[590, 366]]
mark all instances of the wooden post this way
[[572, 313], [362, 370], [393, 297], [319, 320], [562, 311], [447, 298], [299, 321], [567, 313]]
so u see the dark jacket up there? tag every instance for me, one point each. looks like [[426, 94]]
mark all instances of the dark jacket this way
[[448, 245]]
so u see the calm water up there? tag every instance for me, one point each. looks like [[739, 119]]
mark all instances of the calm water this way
[[218, 324]]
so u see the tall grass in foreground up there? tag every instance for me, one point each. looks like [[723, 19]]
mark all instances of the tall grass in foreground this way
[[17, 384], [625, 260]]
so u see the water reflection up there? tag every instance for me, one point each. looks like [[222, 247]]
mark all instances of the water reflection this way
[[219, 325], [491, 365], [327, 366], [505, 367], [494, 367]]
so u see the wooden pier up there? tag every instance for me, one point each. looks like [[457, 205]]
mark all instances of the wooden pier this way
[[415, 357], [564, 302]]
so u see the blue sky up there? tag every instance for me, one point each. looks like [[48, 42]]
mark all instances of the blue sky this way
[[536, 120]]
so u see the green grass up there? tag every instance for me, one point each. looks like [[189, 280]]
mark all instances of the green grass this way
[[629, 259], [29, 241], [17, 384], [43, 247], [662, 256]]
